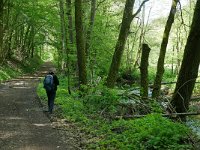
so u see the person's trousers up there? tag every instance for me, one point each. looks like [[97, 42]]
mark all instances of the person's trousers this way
[[51, 97]]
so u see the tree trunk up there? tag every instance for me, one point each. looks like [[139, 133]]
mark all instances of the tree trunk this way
[[9, 53], [30, 45], [24, 45], [141, 39], [144, 71], [71, 41], [70, 23], [88, 39], [32, 41], [161, 59], [63, 33], [1, 31], [91, 25], [80, 43], [119, 48], [189, 68]]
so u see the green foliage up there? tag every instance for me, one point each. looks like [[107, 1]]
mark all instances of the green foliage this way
[[150, 132], [14, 68], [7, 72], [197, 87], [40, 90], [135, 75], [31, 64], [100, 98], [155, 107], [72, 109]]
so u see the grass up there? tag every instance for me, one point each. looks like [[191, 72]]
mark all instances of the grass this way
[[151, 132], [15, 68]]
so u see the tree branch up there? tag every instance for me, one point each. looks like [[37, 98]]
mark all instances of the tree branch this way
[[139, 9], [172, 115]]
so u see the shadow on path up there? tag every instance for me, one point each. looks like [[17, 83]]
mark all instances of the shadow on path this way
[[23, 125]]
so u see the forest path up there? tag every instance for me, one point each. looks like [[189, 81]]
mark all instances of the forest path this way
[[23, 125]]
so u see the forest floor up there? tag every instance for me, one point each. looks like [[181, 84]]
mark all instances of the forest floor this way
[[23, 123]]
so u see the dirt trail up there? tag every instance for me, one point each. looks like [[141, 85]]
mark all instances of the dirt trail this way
[[23, 125]]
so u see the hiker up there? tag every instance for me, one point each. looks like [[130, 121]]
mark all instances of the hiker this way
[[50, 84]]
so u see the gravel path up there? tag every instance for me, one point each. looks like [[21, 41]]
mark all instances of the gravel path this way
[[23, 125]]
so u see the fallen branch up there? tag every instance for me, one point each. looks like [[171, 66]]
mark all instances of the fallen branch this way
[[173, 115], [165, 83], [195, 98]]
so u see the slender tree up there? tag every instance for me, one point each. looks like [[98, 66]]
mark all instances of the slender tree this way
[[70, 41], [119, 48], [70, 21], [88, 39], [91, 25], [1, 30], [63, 32], [161, 59], [189, 67], [32, 46], [81, 56], [141, 38]]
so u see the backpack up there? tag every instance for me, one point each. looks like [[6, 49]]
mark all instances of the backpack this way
[[48, 83]]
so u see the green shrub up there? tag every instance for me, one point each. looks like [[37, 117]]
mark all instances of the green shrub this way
[[15, 68], [100, 98], [148, 133]]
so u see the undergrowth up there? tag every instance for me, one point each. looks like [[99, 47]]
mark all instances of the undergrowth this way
[[15, 68], [94, 110]]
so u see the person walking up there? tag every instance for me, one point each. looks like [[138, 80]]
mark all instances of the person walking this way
[[50, 84]]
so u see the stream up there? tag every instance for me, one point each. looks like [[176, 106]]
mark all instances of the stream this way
[[194, 124]]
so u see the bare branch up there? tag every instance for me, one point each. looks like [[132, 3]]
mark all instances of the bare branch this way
[[182, 16], [172, 115], [139, 9]]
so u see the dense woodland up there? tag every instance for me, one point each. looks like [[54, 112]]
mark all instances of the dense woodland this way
[[114, 63]]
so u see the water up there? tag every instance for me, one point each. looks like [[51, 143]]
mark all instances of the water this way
[[194, 124]]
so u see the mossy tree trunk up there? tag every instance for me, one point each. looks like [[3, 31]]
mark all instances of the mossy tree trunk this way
[[119, 48], [91, 25], [144, 71], [189, 67], [70, 41], [1, 30], [161, 59], [70, 21], [32, 46], [63, 33], [90, 60], [81, 56]]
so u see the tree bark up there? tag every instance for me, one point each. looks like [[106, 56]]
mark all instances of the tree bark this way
[[161, 59], [24, 45], [91, 25], [189, 67], [32, 46], [1, 31], [141, 39], [144, 71], [81, 56], [88, 39], [63, 33], [119, 48], [70, 23], [7, 29]]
